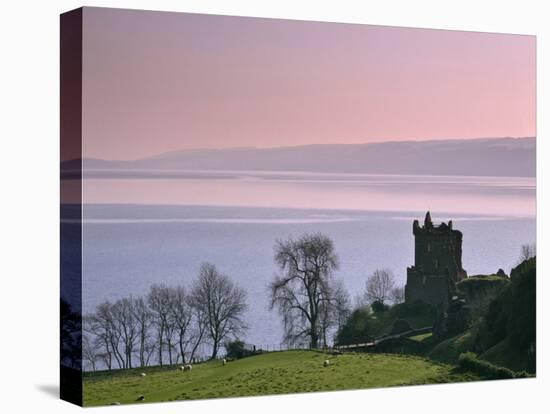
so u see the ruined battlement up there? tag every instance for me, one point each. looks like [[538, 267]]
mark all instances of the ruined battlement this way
[[437, 263]]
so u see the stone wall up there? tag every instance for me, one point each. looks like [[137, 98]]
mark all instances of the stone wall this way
[[438, 263], [428, 289]]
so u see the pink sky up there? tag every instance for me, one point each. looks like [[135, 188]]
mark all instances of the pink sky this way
[[157, 82]]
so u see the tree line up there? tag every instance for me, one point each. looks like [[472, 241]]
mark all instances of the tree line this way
[[169, 324]]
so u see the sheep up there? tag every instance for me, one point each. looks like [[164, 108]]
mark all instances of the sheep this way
[[187, 367], [224, 361], [182, 368], [143, 374], [326, 363]]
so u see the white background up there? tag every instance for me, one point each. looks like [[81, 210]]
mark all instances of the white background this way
[[29, 254]]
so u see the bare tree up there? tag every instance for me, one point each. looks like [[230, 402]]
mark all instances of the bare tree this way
[[334, 311], [102, 324], [169, 330], [181, 316], [199, 325], [360, 301], [527, 252], [90, 350], [118, 332], [93, 327], [397, 295], [143, 318], [105, 324], [127, 327], [106, 358], [159, 298], [150, 349], [379, 286], [302, 293], [342, 304], [222, 303]]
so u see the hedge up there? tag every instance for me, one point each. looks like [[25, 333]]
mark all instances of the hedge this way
[[470, 362]]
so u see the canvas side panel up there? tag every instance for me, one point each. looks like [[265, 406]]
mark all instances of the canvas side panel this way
[[71, 206]]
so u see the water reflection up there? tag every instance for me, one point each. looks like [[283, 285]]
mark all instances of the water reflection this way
[[508, 196]]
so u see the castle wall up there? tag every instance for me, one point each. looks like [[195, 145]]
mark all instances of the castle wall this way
[[433, 290], [438, 251], [438, 263]]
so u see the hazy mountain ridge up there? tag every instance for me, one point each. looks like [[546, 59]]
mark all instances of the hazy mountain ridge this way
[[481, 157]]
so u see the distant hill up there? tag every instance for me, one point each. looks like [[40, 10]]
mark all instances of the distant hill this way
[[481, 157]]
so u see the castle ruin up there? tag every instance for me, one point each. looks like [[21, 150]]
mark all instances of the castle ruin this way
[[437, 264]]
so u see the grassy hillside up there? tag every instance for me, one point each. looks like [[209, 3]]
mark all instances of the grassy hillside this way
[[502, 319], [450, 349], [505, 354], [502, 354], [505, 334], [271, 373]]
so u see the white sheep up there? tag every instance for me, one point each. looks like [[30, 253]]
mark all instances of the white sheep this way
[[182, 368], [224, 361], [188, 367], [143, 374], [326, 363]]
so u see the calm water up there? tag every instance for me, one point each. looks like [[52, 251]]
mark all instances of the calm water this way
[[143, 231]]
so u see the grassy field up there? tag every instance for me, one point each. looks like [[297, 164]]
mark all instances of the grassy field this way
[[270, 373]]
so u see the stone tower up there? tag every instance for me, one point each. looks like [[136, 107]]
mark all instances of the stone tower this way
[[437, 263]]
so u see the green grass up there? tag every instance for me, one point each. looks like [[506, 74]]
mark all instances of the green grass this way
[[450, 349], [421, 337], [270, 373]]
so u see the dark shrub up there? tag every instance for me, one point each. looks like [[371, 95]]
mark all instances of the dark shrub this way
[[363, 325], [356, 329], [400, 326], [237, 349], [378, 306]]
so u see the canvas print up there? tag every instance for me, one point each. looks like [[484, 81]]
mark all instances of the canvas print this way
[[256, 206]]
